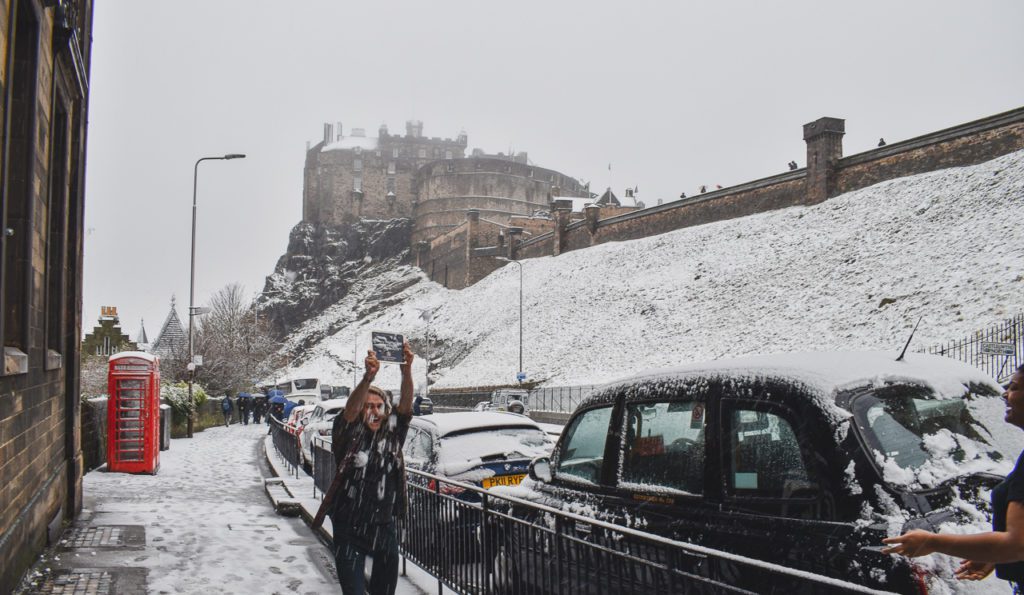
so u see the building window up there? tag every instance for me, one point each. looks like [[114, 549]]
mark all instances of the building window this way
[[56, 240], [391, 167], [357, 184], [451, 168], [394, 153], [357, 165], [447, 154], [358, 150], [16, 231], [423, 153]]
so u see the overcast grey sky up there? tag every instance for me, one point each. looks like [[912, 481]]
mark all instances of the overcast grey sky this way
[[672, 94]]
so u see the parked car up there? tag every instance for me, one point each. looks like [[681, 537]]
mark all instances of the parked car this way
[[318, 423], [480, 448], [503, 398], [295, 418], [484, 449], [805, 460], [422, 406], [485, 406]]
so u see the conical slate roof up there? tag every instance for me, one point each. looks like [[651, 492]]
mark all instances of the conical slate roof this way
[[141, 337], [172, 339]]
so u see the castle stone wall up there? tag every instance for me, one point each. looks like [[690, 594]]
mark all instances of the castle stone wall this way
[[498, 188]]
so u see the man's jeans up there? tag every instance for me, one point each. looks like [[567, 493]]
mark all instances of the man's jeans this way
[[351, 562]]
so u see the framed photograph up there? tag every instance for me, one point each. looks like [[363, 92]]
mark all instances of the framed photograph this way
[[388, 347]]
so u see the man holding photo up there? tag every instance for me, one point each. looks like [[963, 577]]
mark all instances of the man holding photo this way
[[367, 440]]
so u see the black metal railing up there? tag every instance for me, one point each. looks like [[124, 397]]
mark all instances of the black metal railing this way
[[997, 350], [286, 445], [475, 541], [559, 399], [323, 463]]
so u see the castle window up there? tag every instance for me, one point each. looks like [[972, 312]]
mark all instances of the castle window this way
[[447, 154], [391, 167], [357, 165], [423, 153], [359, 150], [357, 184], [378, 153], [530, 172], [394, 153], [451, 168]]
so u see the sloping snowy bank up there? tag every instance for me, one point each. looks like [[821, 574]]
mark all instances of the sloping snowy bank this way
[[852, 273]]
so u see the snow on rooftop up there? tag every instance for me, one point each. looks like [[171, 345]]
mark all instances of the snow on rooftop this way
[[366, 143], [853, 273]]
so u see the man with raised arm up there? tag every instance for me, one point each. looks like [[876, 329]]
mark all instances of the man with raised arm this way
[[367, 440]]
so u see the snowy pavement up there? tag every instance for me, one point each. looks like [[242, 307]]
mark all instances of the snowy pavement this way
[[202, 524]]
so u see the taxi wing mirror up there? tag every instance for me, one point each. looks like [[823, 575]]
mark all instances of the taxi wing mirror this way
[[540, 470]]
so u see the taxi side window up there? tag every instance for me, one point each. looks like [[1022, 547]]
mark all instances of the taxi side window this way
[[765, 457], [582, 454], [664, 446]]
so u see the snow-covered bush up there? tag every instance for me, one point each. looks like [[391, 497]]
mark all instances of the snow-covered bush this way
[[177, 396]]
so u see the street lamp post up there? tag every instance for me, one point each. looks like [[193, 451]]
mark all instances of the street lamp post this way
[[192, 286], [519, 376]]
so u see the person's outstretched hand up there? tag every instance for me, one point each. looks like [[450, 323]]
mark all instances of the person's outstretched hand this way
[[911, 544], [407, 357], [372, 365], [974, 571]]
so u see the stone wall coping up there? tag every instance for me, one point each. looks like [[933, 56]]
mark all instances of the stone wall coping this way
[[486, 251], [536, 239], [789, 176], [424, 201], [932, 138]]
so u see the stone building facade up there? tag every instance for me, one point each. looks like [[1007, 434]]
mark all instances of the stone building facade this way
[[353, 176], [106, 337], [44, 70]]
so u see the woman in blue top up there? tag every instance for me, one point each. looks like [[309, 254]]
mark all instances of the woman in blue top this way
[[1002, 549]]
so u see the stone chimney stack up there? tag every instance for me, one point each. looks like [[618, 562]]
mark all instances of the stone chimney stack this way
[[515, 235], [824, 138]]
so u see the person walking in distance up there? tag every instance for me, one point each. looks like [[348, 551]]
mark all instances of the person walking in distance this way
[[367, 440], [226, 407], [243, 410]]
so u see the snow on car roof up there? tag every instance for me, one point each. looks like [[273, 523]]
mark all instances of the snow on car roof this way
[[332, 403], [449, 423], [827, 373]]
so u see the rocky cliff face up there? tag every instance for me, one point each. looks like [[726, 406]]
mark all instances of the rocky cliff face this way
[[323, 262]]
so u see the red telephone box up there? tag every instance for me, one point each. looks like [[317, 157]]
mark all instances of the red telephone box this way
[[133, 413]]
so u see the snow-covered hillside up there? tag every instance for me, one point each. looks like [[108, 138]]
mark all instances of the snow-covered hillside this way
[[855, 272]]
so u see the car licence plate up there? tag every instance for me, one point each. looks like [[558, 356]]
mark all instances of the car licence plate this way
[[503, 480]]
